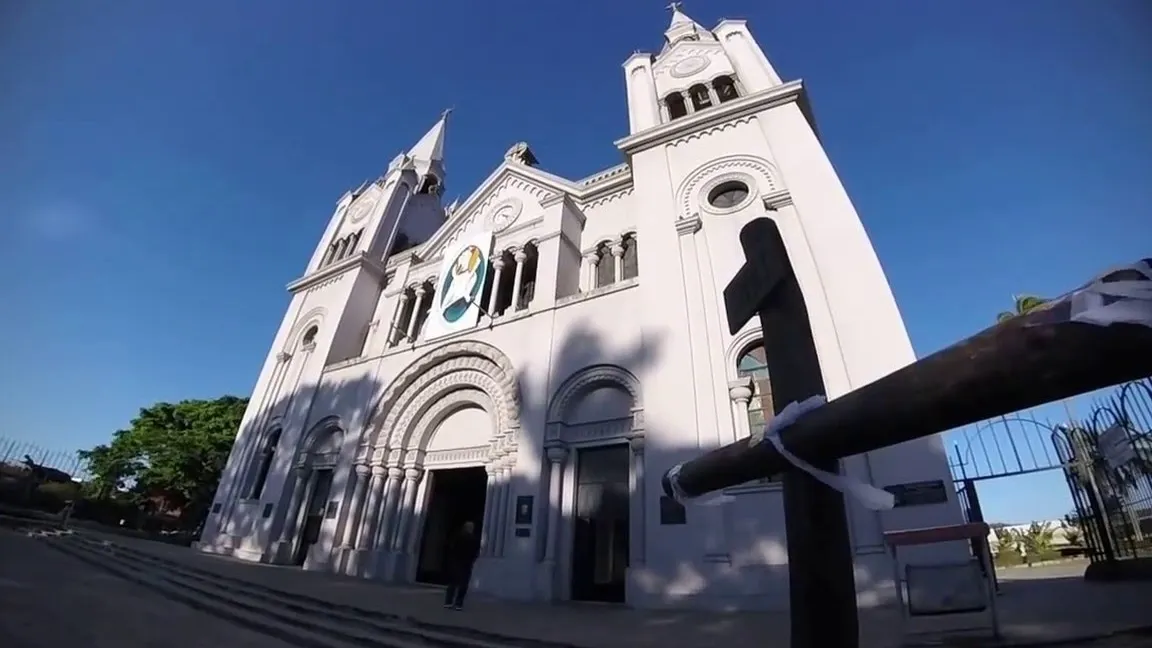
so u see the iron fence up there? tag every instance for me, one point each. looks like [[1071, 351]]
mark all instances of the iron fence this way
[[1113, 499], [14, 451], [1112, 503]]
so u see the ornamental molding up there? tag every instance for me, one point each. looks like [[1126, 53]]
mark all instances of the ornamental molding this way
[[689, 225], [303, 323], [585, 380], [436, 400], [454, 356], [718, 128], [457, 456], [608, 198], [693, 191]]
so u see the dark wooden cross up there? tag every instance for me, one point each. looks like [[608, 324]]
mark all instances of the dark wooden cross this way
[[822, 589]]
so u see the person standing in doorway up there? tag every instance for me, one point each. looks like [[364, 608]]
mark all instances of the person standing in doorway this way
[[462, 552]]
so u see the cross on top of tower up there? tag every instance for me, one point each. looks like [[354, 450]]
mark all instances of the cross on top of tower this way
[[445, 113], [674, 6]]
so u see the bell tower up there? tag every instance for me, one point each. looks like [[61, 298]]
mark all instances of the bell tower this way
[[696, 69]]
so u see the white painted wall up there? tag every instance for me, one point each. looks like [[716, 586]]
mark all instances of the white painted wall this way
[[665, 328]]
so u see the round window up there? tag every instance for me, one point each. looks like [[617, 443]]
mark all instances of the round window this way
[[728, 194]]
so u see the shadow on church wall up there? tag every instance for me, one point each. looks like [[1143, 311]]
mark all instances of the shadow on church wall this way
[[731, 553]]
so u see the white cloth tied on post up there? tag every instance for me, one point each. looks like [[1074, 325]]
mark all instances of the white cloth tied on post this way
[[867, 495], [1124, 301], [870, 497]]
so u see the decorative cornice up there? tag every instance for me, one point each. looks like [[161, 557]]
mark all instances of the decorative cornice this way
[[777, 199], [358, 261], [688, 225], [753, 103]]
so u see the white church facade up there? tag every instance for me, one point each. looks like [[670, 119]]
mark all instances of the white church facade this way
[[534, 358]]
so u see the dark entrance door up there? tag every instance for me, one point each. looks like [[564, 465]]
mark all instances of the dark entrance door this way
[[457, 497], [314, 514], [600, 548]]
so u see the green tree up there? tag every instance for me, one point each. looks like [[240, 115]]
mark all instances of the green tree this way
[[1073, 531], [172, 450], [112, 466], [1024, 304], [1037, 539]]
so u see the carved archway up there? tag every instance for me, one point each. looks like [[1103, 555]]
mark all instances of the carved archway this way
[[322, 445], [586, 380], [396, 435]]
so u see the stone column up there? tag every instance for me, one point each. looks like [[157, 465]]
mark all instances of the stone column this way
[[520, 257], [394, 335], [488, 526], [356, 507], [592, 259], [617, 260], [362, 563], [407, 507], [411, 334], [556, 456], [496, 519], [713, 96], [639, 513], [740, 392], [288, 526], [371, 517], [498, 268], [388, 510]]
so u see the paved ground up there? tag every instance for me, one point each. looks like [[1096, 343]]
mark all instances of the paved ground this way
[[50, 600], [1043, 603]]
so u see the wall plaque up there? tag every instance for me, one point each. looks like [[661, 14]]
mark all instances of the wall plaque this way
[[523, 532], [333, 507], [523, 511], [216, 507], [267, 510], [672, 512], [919, 493]]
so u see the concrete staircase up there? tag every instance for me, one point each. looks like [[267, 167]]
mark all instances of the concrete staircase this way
[[294, 618]]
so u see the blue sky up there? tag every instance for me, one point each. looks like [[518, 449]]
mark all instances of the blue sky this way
[[166, 168]]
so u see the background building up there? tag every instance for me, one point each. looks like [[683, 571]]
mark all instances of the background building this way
[[522, 361]]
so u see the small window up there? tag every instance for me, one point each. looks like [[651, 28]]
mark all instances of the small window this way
[[631, 264], [753, 363], [310, 335], [725, 89], [700, 97], [728, 194], [676, 106], [606, 268]]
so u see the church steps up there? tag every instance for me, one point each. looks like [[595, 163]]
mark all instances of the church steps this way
[[446, 635], [293, 634], [349, 623]]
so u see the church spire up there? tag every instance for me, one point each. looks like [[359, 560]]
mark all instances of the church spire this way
[[684, 28], [430, 148], [427, 156]]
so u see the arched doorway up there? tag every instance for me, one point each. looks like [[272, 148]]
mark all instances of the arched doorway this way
[[311, 497], [457, 486], [595, 439]]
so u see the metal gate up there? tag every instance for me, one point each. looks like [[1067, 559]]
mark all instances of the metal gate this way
[[1112, 503]]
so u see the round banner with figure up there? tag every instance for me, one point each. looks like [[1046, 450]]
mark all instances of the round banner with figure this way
[[462, 284]]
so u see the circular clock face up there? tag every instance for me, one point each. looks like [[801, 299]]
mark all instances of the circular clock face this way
[[360, 210], [505, 214], [689, 66]]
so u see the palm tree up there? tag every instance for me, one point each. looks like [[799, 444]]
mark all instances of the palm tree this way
[[1024, 304]]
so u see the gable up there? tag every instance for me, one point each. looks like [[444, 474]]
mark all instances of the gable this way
[[513, 192], [688, 63]]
